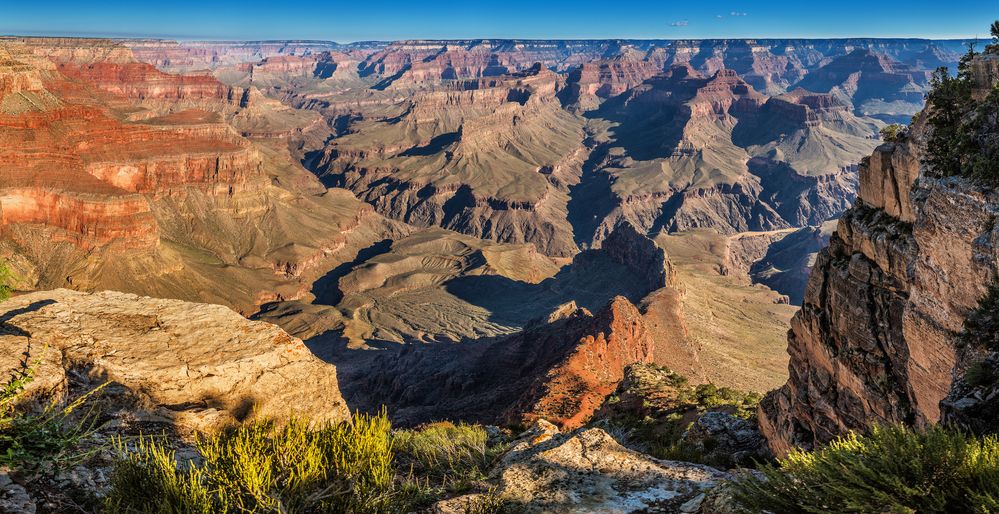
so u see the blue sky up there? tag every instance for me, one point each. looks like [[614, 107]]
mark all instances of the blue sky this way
[[384, 19]]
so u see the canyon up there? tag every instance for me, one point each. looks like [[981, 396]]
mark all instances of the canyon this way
[[440, 192], [509, 233]]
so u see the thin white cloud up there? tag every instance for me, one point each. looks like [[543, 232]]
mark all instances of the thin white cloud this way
[[734, 13], [682, 23]]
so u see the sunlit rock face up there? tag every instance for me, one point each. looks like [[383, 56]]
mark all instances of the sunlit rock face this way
[[118, 175], [201, 367], [876, 338]]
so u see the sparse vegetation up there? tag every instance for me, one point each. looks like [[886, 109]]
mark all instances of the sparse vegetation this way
[[40, 441], [965, 136], [657, 405], [489, 503], [994, 47], [451, 456], [893, 469], [260, 467], [6, 277], [893, 133]]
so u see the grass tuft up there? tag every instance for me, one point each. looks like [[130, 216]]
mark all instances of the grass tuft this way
[[893, 469], [260, 467]]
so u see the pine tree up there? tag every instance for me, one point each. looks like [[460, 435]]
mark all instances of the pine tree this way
[[994, 47]]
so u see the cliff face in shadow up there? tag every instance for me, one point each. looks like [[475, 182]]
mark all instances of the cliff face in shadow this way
[[559, 366]]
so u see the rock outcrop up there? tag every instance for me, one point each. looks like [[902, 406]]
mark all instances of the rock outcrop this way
[[876, 338], [547, 471], [722, 437], [14, 498], [641, 255], [196, 366], [581, 369]]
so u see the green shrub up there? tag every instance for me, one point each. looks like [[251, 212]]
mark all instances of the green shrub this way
[[893, 133], [894, 469], [654, 406], [709, 396], [965, 136], [261, 468], [950, 97], [35, 441], [6, 277], [994, 47], [443, 449]]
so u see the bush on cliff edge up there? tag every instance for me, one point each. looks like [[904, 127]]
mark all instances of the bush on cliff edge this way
[[965, 136], [893, 469], [41, 440]]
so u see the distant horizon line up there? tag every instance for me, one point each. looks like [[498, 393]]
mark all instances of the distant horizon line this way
[[209, 39]]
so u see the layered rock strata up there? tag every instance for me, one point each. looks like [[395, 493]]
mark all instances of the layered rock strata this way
[[179, 204]]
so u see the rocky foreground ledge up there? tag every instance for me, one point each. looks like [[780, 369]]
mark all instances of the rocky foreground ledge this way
[[587, 470], [195, 366]]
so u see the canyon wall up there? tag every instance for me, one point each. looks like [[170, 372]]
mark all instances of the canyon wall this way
[[117, 175], [876, 340]]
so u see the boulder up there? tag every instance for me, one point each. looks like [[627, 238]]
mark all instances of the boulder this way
[[547, 471], [197, 365], [722, 437], [14, 498]]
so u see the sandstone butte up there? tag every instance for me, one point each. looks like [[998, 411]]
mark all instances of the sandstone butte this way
[[196, 366], [876, 338], [588, 357]]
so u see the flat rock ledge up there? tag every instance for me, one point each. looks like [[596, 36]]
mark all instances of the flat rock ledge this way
[[197, 366]]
